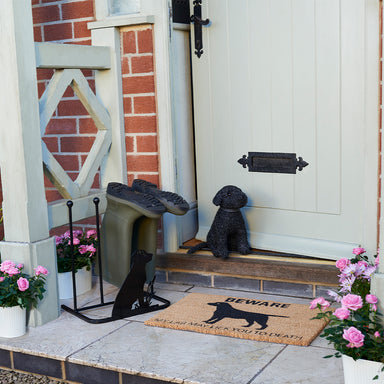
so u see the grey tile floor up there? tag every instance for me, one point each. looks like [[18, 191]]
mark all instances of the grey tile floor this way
[[131, 347]]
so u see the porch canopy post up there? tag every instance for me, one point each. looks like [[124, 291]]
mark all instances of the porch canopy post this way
[[25, 210]]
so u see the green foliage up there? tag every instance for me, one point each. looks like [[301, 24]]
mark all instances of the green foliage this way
[[84, 250], [31, 291]]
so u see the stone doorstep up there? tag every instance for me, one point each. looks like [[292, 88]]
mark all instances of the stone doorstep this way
[[66, 371], [302, 277]]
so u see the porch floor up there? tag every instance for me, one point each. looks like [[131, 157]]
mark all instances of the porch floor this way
[[129, 352]]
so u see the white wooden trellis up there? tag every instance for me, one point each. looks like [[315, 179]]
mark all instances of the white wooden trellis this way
[[23, 119], [68, 60]]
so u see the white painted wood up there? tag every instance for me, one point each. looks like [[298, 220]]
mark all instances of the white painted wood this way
[[291, 77], [24, 204], [102, 9], [94, 159], [125, 7], [25, 208], [51, 55], [83, 208], [57, 176], [52, 95], [122, 21], [183, 130], [109, 91], [48, 104], [96, 110]]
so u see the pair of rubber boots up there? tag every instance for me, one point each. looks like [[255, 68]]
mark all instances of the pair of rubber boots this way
[[131, 223]]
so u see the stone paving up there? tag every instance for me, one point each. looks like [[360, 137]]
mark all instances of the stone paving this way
[[130, 349]]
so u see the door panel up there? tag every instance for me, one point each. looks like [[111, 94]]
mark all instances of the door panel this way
[[290, 76]]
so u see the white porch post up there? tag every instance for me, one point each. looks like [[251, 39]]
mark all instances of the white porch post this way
[[25, 208]]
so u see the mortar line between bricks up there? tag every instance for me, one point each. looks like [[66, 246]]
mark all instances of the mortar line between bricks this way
[[267, 365]]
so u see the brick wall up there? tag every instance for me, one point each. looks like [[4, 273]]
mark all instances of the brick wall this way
[[139, 103], [71, 132]]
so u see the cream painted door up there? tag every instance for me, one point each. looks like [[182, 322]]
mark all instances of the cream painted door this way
[[295, 76]]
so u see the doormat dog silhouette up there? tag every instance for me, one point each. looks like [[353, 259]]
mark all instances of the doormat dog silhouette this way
[[254, 319]]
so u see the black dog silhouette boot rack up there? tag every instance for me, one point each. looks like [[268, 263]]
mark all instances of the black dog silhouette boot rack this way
[[131, 299]]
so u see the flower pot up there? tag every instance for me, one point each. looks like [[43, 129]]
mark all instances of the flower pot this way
[[83, 283], [13, 321], [361, 371]]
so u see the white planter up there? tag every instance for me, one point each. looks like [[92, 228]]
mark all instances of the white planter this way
[[361, 371], [13, 321], [83, 283]]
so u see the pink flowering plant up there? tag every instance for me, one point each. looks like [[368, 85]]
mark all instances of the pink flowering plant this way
[[19, 289], [84, 250], [355, 328]]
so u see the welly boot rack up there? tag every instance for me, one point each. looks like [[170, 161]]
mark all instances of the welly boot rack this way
[[131, 299]]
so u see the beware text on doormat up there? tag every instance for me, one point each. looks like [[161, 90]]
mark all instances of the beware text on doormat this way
[[253, 319]]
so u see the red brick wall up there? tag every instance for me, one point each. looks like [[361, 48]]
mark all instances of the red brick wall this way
[[71, 132], [139, 103]]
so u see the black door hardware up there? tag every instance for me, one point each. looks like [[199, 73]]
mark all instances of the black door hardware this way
[[198, 23], [272, 162], [180, 11]]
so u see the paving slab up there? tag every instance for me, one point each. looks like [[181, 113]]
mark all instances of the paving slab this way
[[302, 365], [182, 356], [131, 347]]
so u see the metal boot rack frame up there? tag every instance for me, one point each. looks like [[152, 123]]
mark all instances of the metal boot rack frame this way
[[76, 311]]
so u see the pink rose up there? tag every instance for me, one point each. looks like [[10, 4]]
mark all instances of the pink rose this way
[[58, 240], [20, 266], [83, 249], [342, 263], [342, 313], [91, 248], [354, 336], [2, 279], [91, 233], [41, 270], [358, 251], [77, 233], [319, 301], [23, 284], [5, 265], [13, 271], [377, 334], [352, 302], [76, 241], [371, 299]]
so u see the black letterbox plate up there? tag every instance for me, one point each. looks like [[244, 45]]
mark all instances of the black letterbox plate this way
[[272, 162]]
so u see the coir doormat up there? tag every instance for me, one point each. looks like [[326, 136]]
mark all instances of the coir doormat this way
[[252, 319]]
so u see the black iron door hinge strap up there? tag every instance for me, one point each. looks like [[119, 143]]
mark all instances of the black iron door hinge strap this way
[[272, 162], [198, 23], [180, 11]]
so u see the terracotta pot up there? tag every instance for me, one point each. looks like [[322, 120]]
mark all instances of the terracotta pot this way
[[361, 371], [83, 283], [12, 321]]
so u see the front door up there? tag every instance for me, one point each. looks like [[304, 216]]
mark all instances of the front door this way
[[291, 76]]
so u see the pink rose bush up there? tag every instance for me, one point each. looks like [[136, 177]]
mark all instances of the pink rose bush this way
[[355, 328], [19, 289], [84, 246]]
